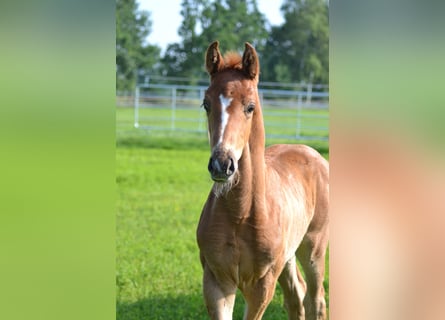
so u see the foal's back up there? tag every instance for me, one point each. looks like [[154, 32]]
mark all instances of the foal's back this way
[[297, 159]]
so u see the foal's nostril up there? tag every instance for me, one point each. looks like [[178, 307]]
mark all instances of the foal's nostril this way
[[214, 166], [231, 167]]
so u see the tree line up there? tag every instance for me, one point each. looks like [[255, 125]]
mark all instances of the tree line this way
[[295, 51]]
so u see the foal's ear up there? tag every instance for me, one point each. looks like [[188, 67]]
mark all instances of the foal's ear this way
[[214, 59], [251, 64]]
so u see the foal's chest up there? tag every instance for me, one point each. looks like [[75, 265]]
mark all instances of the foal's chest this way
[[238, 253]]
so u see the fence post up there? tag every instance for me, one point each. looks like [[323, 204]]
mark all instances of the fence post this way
[[299, 106], [309, 94], [136, 107], [173, 108], [309, 89]]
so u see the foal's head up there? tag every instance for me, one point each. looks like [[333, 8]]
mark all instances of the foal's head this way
[[231, 102]]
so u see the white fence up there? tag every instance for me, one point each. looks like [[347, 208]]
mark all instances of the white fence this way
[[297, 114]]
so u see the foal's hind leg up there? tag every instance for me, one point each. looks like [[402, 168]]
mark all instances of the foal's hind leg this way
[[294, 288], [311, 254]]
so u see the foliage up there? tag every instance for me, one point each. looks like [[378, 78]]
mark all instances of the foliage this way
[[298, 50], [231, 22], [133, 54]]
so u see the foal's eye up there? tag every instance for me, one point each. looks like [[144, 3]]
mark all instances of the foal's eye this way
[[206, 105], [250, 108]]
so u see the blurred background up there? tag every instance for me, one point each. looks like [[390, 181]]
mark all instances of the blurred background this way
[[291, 37]]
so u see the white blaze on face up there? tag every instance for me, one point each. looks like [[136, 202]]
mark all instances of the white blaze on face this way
[[225, 103]]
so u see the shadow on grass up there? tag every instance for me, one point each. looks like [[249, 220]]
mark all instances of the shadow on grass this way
[[181, 307], [185, 307]]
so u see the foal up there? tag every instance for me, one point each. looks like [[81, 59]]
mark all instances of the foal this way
[[267, 206]]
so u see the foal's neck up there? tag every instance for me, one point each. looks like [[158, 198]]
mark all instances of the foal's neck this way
[[247, 198]]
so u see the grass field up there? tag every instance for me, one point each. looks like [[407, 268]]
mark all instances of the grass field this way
[[162, 183]]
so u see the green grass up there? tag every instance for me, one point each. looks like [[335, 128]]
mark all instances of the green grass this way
[[162, 183]]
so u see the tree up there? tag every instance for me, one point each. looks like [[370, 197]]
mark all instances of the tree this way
[[298, 50], [133, 54], [232, 22]]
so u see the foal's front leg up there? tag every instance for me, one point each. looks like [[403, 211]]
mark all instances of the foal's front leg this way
[[258, 296], [219, 297]]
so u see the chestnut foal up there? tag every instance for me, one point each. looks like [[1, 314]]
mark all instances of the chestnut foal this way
[[266, 207]]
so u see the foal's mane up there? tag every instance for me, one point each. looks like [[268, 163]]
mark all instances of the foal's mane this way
[[232, 60]]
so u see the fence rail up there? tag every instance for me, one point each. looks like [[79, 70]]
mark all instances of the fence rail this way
[[290, 114]]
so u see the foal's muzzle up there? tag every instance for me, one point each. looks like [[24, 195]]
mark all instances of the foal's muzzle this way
[[222, 165]]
